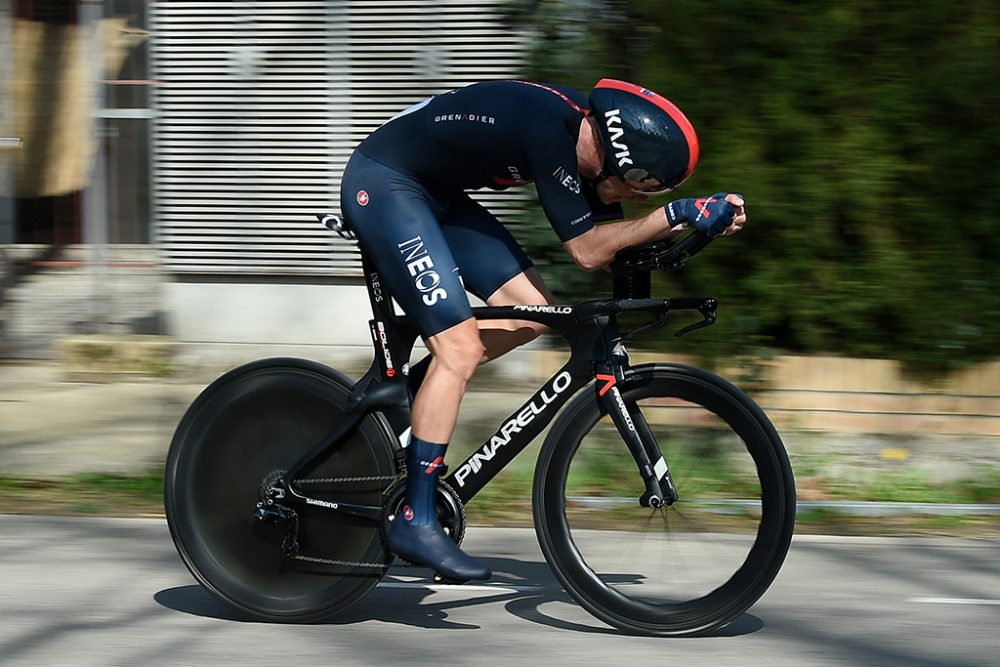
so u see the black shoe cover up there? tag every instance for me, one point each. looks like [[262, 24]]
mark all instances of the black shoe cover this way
[[428, 545]]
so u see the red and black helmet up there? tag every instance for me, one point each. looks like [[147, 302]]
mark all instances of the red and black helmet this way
[[647, 140]]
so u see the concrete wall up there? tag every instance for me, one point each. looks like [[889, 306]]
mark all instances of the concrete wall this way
[[222, 323], [217, 324], [874, 396], [859, 395], [799, 393]]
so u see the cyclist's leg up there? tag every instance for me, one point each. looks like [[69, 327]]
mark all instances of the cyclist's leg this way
[[508, 277], [455, 354], [502, 336], [495, 268], [395, 219]]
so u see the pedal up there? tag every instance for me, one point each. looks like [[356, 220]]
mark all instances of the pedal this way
[[441, 579]]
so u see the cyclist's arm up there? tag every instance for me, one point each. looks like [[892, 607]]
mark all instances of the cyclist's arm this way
[[595, 248]]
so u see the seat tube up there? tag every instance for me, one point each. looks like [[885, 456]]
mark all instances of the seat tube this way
[[634, 430], [378, 293]]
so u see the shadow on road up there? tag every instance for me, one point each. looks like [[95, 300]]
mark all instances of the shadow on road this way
[[413, 603]]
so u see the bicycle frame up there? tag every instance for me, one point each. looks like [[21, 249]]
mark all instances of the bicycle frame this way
[[597, 355]]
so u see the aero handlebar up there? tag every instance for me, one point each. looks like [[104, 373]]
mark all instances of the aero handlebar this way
[[664, 255]]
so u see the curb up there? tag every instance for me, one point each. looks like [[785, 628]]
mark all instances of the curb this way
[[846, 507]]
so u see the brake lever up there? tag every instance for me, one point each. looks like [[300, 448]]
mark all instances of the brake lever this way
[[661, 321], [709, 311]]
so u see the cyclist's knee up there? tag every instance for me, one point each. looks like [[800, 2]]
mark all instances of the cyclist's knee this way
[[458, 350]]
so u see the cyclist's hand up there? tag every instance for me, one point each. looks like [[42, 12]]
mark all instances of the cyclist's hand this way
[[721, 214], [739, 216]]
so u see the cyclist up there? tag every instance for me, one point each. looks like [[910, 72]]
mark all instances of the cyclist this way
[[404, 193]]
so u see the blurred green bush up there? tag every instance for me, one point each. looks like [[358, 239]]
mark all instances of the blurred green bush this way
[[864, 137]]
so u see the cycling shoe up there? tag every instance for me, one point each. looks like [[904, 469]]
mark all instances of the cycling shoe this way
[[428, 545]]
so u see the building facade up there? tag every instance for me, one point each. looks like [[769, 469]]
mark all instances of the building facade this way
[[196, 141]]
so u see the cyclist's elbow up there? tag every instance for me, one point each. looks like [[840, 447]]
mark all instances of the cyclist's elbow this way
[[588, 255], [589, 264]]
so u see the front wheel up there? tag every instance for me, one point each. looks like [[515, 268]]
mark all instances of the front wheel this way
[[678, 570]]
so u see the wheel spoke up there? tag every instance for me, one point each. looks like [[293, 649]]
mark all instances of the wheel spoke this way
[[679, 560]]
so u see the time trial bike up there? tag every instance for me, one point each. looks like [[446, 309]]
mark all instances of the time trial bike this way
[[663, 498]]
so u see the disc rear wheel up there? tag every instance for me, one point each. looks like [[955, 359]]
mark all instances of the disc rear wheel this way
[[238, 437]]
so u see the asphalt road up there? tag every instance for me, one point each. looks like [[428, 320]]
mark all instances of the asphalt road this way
[[98, 591]]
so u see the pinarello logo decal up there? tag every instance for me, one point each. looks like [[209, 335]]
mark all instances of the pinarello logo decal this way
[[362, 197], [408, 513]]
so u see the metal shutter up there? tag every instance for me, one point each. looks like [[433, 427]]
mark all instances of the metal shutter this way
[[260, 104]]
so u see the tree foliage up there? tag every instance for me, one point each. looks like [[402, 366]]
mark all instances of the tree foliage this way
[[864, 137]]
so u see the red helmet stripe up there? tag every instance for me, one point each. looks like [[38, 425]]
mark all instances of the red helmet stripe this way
[[576, 107], [676, 114]]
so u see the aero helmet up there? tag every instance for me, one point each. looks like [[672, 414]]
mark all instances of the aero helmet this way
[[647, 140]]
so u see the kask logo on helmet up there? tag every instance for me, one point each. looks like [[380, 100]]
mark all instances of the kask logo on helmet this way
[[638, 128], [613, 120]]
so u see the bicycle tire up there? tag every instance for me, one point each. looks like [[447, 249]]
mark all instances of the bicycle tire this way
[[752, 548], [254, 422]]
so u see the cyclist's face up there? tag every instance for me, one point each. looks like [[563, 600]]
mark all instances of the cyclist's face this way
[[614, 189]]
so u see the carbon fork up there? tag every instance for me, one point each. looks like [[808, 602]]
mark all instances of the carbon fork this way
[[659, 489]]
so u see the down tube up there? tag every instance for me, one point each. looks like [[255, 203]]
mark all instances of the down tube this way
[[517, 431]]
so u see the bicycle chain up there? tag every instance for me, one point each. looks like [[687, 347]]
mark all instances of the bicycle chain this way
[[291, 548], [291, 545], [346, 563], [335, 480]]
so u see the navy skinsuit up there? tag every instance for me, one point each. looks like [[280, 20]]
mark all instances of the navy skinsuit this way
[[403, 191]]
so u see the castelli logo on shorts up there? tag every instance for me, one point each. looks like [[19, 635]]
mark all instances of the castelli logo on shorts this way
[[362, 197], [408, 513]]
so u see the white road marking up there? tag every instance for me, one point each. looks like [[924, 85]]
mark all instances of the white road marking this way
[[954, 601], [490, 588]]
